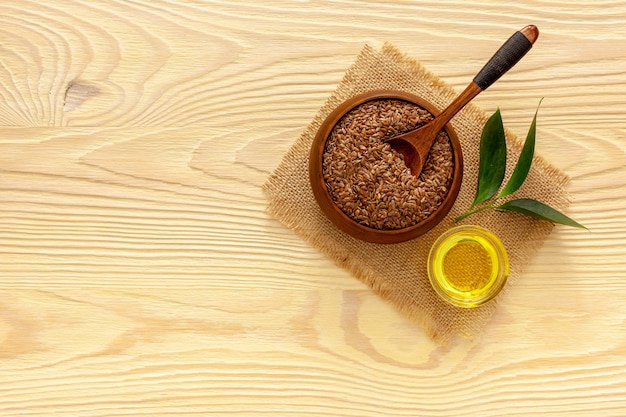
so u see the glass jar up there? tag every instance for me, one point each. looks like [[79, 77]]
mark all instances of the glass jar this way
[[468, 266]]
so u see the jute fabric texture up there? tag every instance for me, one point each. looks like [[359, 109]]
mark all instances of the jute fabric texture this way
[[397, 272]]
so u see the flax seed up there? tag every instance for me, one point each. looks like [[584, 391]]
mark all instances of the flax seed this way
[[369, 181]]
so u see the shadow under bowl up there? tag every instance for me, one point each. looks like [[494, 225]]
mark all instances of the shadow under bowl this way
[[345, 222]]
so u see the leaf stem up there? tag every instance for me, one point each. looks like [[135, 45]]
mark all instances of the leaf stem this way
[[470, 212]]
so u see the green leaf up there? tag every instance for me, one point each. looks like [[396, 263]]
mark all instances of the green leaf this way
[[523, 163], [539, 210], [492, 159]]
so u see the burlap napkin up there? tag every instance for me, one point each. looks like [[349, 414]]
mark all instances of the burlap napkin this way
[[397, 272]]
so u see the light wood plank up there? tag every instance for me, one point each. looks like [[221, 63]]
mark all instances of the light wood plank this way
[[140, 274]]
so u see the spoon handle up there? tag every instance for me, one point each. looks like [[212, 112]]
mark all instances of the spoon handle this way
[[507, 56], [503, 60]]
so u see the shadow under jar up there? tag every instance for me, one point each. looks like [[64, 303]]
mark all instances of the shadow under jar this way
[[364, 187]]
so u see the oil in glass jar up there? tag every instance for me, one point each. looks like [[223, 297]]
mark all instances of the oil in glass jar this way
[[468, 266]]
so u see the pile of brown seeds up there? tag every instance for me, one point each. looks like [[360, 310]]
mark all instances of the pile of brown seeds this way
[[369, 181]]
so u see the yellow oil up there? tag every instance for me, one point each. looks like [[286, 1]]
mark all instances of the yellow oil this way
[[467, 266]]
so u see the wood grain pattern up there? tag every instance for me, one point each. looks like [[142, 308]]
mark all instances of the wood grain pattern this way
[[140, 274]]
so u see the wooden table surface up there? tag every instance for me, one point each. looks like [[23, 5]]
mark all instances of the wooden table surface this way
[[141, 276]]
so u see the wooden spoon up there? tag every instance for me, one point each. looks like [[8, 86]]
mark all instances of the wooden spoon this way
[[415, 145]]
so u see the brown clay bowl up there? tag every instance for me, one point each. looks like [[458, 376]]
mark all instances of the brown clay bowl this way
[[346, 223]]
